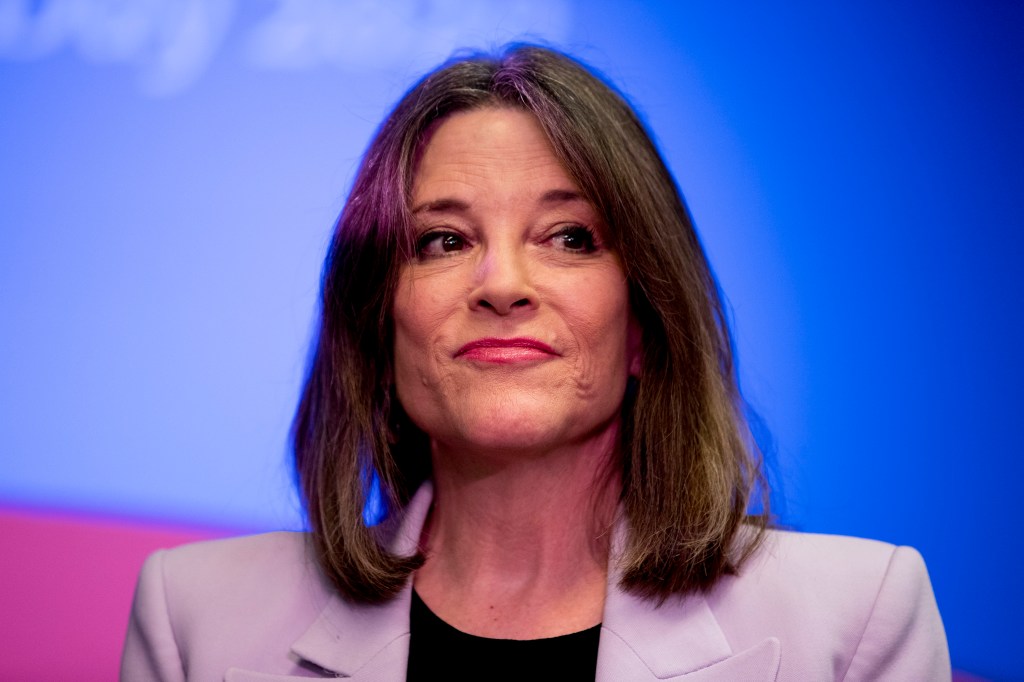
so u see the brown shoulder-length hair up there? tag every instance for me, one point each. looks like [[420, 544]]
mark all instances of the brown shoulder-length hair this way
[[689, 468]]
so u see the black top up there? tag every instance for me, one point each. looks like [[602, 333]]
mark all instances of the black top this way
[[437, 651]]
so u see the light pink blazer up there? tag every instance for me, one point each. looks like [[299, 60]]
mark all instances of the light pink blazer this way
[[804, 608]]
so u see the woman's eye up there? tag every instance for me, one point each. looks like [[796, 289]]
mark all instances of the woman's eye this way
[[434, 244], [576, 238]]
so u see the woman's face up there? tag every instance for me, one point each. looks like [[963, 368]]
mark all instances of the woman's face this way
[[512, 322]]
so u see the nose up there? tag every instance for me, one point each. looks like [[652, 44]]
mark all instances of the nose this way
[[503, 283]]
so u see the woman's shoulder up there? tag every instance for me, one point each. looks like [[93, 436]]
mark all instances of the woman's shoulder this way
[[208, 584], [830, 571], [259, 550], [852, 598], [788, 550], [206, 606], [213, 569]]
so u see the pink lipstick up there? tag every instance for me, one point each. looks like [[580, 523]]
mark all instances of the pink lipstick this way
[[506, 351]]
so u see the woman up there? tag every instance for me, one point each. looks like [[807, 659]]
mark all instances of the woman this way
[[523, 354]]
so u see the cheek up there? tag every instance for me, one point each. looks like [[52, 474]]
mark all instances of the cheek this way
[[634, 346], [412, 364], [420, 311], [407, 347], [404, 352], [598, 314]]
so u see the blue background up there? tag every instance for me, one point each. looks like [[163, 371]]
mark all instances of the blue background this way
[[169, 173]]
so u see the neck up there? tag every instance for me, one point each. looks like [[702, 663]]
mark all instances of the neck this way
[[517, 544]]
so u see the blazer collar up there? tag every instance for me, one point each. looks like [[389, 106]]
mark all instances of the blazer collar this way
[[680, 639], [369, 642]]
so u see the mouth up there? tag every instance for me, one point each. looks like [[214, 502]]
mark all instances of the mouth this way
[[506, 351]]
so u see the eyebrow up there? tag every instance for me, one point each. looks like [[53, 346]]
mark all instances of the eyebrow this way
[[561, 196], [446, 205], [452, 205]]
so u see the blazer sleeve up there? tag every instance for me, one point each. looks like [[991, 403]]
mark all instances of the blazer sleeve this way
[[904, 638], [150, 649]]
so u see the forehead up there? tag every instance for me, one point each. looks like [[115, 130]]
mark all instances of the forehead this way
[[495, 147]]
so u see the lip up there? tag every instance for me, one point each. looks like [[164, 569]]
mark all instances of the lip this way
[[504, 351]]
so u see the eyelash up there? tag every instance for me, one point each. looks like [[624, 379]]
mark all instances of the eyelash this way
[[440, 236], [428, 238], [590, 243]]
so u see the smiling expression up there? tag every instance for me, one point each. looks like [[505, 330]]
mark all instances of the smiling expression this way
[[513, 329]]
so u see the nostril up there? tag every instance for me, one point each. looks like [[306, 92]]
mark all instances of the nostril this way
[[506, 308]]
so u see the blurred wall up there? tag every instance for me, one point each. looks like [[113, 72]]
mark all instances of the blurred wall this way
[[170, 171]]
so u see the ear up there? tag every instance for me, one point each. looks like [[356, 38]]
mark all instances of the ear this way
[[634, 346]]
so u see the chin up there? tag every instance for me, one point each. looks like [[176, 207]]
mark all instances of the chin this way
[[525, 427], [512, 438]]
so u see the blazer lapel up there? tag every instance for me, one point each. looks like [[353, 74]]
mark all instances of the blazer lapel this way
[[368, 642], [680, 639]]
